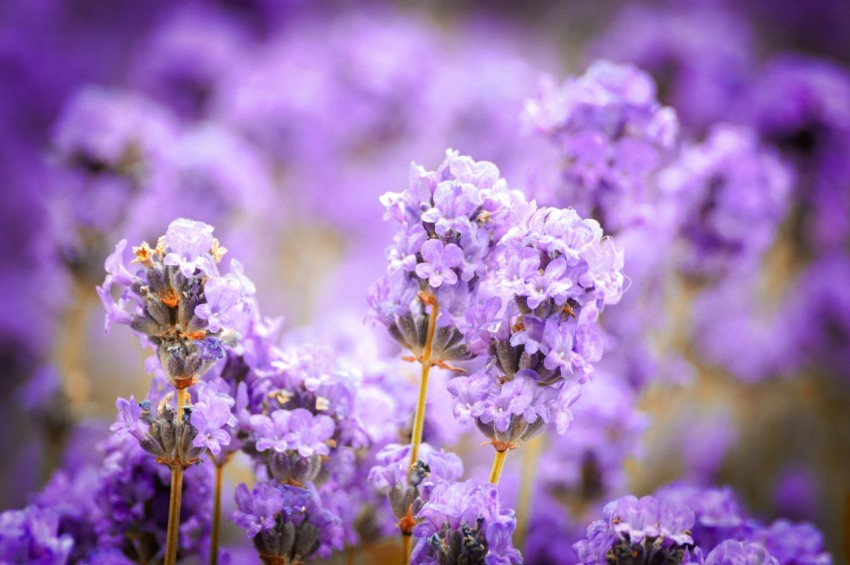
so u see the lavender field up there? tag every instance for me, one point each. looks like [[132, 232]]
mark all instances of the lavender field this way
[[303, 281]]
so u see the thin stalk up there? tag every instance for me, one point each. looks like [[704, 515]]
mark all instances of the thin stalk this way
[[529, 465], [216, 518], [406, 543], [498, 465], [419, 419], [172, 536]]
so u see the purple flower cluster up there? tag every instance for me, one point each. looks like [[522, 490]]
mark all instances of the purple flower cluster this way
[[613, 134], [32, 536], [177, 300], [704, 79], [734, 193], [464, 523], [450, 221], [684, 524], [300, 416], [633, 530], [559, 272], [280, 122], [287, 524]]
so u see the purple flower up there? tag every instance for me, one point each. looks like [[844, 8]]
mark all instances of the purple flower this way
[[454, 203], [178, 302], [31, 536], [513, 399], [701, 77], [129, 419], [287, 522], [718, 514], [221, 295], [450, 220], [132, 494], [733, 194], [189, 245], [257, 510], [393, 463], [211, 413], [792, 543], [613, 134], [638, 528], [297, 430], [469, 394], [439, 262], [465, 523], [309, 434]]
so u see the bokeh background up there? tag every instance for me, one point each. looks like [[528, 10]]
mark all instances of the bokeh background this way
[[281, 122]]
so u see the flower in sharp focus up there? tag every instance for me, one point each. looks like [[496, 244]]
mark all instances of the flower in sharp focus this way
[[177, 300], [211, 413]]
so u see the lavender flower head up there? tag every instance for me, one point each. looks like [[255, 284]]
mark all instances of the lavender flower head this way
[[613, 134], [465, 523], [287, 524], [177, 300], [450, 221], [636, 531], [297, 415], [733, 194], [802, 104], [559, 272]]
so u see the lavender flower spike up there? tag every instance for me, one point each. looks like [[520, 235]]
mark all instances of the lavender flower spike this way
[[464, 523], [638, 531]]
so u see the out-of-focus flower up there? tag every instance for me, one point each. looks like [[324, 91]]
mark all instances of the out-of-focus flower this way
[[734, 194], [465, 523], [613, 135], [633, 530], [31, 536]]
